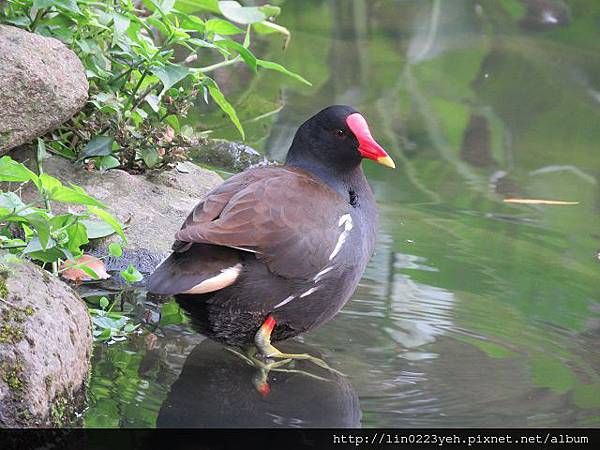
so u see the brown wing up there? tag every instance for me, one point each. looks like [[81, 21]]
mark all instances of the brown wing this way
[[285, 216]]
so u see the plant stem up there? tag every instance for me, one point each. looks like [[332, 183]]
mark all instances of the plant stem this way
[[227, 62], [130, 100], [47, 204], [39, 15]]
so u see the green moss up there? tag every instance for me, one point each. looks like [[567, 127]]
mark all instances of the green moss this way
[[12, 376], [4, 137], [11, 334], [58, 411], [18, 315], [3, 288], [11, 331]]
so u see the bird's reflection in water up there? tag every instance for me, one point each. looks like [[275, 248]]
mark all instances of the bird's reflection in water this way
[[218, 388]]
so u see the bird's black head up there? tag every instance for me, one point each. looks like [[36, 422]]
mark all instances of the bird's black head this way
[[336, 138]]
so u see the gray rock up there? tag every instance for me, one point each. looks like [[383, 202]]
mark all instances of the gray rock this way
[[45, 348], [152, 206], [226, 155], [42, 84]]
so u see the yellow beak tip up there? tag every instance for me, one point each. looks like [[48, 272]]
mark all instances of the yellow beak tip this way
[[386, 161]]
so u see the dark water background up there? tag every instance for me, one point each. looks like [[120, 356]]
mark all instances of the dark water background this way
[[473, 312]]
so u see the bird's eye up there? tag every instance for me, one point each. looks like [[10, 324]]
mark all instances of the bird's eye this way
[[339, 133]]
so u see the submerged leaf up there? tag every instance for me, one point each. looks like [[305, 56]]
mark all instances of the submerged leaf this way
[[531, 201]]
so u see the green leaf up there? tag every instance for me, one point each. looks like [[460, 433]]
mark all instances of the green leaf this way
[[73, 194], [88, 271], [35, 245], [42, 4], [165, 6], [77, 237], [170, 74], [192, 6], [108, 162], [270, 11], [153, 101], [40, 222], [68, 5], [241, 14], [11, 170], [279, 68], [220, 100], [222, 27], [115, 250], [172, 314], [150, 157], [201, 43], [103, 335], [41, 150], [96, 229], [98, 146], [173, 122], [246, 55], [104, 302], [62, 150], [49, 183], [109, 219], [120, 25], [131, 274], [11, 202]]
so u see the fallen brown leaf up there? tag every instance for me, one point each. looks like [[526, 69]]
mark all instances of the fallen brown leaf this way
[[77, 274]]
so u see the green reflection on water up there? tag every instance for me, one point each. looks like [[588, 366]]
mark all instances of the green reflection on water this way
[[473, 311]]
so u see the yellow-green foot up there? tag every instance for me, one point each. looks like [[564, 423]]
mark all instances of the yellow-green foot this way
[[262, 339]]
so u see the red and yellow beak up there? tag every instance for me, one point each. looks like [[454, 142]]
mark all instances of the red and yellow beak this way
[[367, 146]]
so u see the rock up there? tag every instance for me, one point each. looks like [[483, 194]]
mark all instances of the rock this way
[[42, 84], [152, 206], [45, 348], [226, 155]]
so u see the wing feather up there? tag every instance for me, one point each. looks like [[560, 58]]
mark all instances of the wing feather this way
[[287, 217]]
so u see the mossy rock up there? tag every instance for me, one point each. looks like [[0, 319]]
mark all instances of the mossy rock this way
[[45, 348]]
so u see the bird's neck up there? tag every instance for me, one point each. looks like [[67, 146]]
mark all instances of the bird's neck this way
[[343, 181]]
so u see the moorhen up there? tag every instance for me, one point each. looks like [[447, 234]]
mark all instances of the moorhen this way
[[277, 250]]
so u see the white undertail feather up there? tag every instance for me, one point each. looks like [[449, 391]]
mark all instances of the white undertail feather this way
[[345, 220], [226, 278]]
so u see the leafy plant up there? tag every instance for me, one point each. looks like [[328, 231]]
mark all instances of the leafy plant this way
[[109, 325], [141, 61], [32, 230]]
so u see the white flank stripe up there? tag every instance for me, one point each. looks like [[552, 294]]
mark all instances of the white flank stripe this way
[[226, 278], [345, 220], [318, 276], [285, 302], [310, 291]]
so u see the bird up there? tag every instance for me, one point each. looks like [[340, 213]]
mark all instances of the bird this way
[[277, 250]]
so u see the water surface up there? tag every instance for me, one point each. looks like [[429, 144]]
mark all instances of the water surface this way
[[473, 311]]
